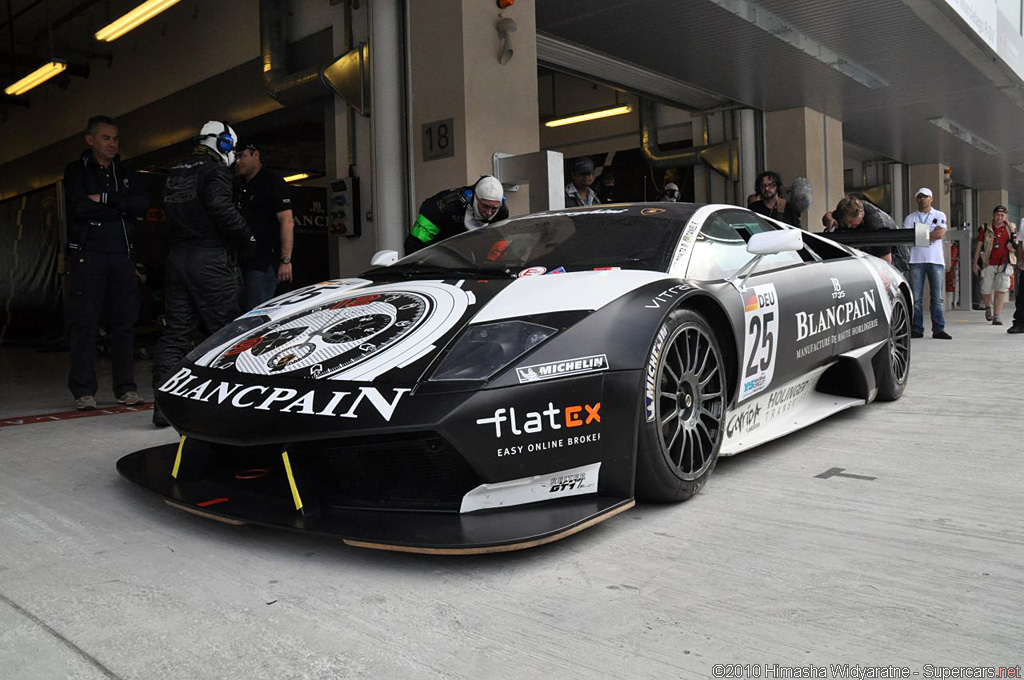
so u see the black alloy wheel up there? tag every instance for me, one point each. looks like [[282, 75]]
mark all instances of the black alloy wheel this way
[[679, 447], [892, 365]]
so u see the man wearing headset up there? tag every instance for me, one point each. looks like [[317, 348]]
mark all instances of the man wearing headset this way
[[454, 211], [200, 283]]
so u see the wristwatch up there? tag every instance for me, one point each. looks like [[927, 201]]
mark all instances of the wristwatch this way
[[286, 260]]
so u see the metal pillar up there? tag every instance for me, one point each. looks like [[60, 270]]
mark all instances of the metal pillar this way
[[387, 121]]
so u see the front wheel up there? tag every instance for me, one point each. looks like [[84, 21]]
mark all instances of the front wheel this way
[[892, 363], [685, 395]]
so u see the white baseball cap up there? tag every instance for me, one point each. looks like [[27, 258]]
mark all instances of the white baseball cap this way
[[925, 191]]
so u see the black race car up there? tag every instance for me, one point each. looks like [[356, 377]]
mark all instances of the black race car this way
[[518, 383]]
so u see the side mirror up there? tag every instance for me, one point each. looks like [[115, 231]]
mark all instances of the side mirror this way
[[772, 242], [384, 258]]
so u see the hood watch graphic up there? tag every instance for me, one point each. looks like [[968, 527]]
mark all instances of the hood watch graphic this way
[[384, 326]]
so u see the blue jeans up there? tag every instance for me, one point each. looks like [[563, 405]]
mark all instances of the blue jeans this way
[[260, 285], [936, 286]]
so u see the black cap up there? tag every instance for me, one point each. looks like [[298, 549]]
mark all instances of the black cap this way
[[247, 144], [583, 166], [999, 208]]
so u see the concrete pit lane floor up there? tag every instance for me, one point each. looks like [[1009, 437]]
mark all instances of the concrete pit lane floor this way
[[912, 555]]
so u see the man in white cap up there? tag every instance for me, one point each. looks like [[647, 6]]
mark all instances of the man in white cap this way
[[454, 211], [928, 262]]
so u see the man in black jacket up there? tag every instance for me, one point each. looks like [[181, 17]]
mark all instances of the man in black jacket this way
[[103, 199], [200, 282], [454, 211], [854, 212]]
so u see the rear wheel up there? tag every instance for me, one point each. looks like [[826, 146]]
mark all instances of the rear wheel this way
[[892, 363], [685, 396]]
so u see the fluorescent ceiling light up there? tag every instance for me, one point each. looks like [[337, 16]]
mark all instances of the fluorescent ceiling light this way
[[965, 135], [590, 115], [296, 177], [37, 77], [126, 22], [771, 24]]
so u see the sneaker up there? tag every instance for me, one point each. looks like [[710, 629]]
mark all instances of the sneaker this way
[[996, 321], [916, 334], [976, 307], [988, 314], [942, 335], [158, 418], [130, 398], [1015, 329], [86, 403]]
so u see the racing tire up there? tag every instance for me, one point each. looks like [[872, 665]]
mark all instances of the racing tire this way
[[892, 363], [682, 422]]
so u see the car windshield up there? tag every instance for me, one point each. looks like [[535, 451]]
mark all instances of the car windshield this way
[[569, 242]]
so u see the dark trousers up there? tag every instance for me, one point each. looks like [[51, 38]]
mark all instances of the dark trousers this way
[[103, 288], [1018, 312], [259, 286], [200, 293]]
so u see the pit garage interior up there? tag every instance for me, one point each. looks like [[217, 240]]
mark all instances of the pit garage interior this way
[[888, 535]]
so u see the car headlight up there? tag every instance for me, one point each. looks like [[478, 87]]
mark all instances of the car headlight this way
[[484, 350], [236, 328]]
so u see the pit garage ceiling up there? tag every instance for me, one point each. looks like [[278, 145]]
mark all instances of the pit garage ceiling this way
[[923, 76]]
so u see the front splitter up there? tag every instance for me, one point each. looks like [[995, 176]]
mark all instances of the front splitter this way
[[443, 533]]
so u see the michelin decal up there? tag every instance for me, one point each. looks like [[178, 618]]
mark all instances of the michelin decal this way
[[561, 369]]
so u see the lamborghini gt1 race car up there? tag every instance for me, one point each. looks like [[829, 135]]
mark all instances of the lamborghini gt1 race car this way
[[518, 383]]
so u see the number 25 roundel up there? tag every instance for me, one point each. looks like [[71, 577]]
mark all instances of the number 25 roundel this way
[[761, 333]]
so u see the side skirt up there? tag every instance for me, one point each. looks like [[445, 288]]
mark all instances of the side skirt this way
[[785, 409]]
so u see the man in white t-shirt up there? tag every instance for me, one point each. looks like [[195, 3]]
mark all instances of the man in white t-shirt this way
[[928, 262]]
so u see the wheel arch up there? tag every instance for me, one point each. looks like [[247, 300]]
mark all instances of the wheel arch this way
[[712, 310], [908, 296]]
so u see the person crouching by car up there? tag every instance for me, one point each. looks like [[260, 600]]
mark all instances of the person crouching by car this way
[[455, 211], [853, 213]]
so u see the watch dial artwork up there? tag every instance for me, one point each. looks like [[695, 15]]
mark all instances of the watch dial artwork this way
[[328, 338]]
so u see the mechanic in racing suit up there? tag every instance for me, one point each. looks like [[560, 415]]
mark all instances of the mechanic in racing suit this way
[[200, 284], [454, 211]]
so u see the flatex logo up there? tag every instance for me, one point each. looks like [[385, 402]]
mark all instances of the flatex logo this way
[[560, 369], [551, 418]]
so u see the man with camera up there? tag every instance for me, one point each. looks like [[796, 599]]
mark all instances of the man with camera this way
[[995, 260]]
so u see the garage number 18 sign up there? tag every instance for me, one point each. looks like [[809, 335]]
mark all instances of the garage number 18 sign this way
[[761, 337], [438, 140]]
